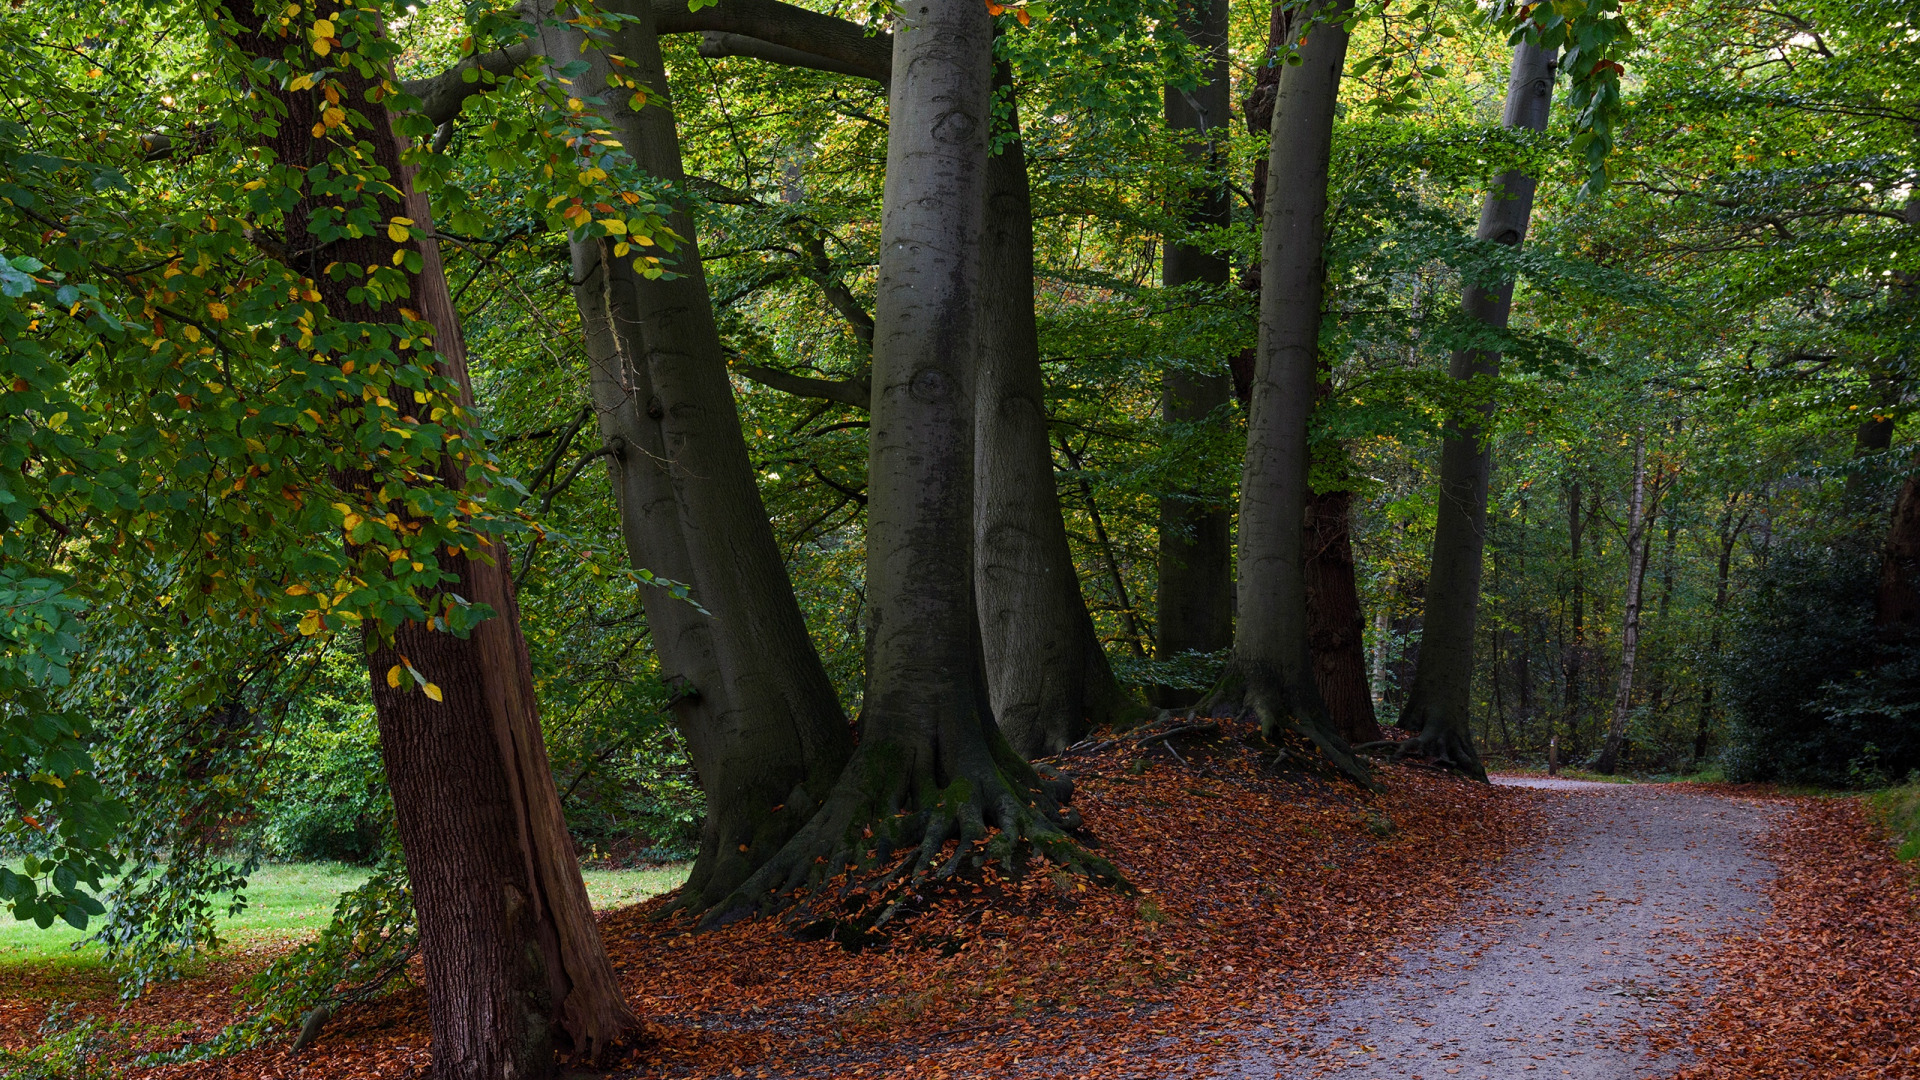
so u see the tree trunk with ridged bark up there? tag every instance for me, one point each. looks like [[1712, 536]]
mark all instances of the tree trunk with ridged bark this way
[[513, 960], [761, 719], [1438, 705]]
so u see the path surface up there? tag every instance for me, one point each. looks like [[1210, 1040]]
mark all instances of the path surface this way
[[1631, 891]]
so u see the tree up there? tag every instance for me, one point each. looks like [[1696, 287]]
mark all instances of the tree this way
[[1437, 706], [512, 952], [932, 766], [1195, 609], [1272, 673]]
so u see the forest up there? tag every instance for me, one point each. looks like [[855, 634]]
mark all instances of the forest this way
[[1184, 481]]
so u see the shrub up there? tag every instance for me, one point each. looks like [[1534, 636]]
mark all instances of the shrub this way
[[1817, 696]]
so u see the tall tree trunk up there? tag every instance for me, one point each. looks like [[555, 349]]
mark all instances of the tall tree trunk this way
[[1438, 705], [931, 765], [1195, 611], [1575, 644], [1639, 518], [1272, 669], [1046, 669], [512, 954], [762, 721], [1728, 535], [1336, 630]]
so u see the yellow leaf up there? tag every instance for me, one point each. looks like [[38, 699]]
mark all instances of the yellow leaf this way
[[333, 117], [297, 590], [393, 676], [218, 310], [310, 624], [622, 248], [433, 692], [574, 104], [615, 226], [399, 256], [322, 46], [301, 82], [398, 233], [323, 28], [192, 332]]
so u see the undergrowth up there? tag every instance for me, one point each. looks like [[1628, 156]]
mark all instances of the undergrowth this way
[[1898, 811]]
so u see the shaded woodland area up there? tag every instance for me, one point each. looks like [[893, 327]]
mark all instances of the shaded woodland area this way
[[807, 441]]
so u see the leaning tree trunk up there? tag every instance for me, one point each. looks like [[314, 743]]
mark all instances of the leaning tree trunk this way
[[512, 955], [1272, 672], [1195, 605], [1046, 669], [1639, 521], [1438, 706], [762, 721], [932, 766]]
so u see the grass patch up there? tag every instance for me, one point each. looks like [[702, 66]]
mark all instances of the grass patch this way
[[1898, 811], [291, 902]]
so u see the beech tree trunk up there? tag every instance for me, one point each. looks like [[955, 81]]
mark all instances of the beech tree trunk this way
[[1639, 521], [1438, 705], [513, 957], [1047, 672], [1272, 671], [1335, 629], [932, 765], [761, 719], [1195, 612], [1897, 600]]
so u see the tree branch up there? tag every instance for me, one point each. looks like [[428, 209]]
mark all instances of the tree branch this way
[[855, 392]]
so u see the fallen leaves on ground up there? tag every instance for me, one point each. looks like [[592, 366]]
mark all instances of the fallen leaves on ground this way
[[1831, 987], [1256, 891]]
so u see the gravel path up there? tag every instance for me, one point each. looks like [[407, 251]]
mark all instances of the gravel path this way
[[1617, 911]]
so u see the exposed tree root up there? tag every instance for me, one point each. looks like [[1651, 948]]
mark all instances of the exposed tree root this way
[[1438, 745], [889, 830], [1281, 713]]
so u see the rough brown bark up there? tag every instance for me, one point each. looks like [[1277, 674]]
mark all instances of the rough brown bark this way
[[762, 721], [512, 954], [1272, 673], [1336, 630], [1438, 705], [1047, 672], [1195, 600]]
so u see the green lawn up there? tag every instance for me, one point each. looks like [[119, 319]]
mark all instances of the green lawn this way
[[293, 900]]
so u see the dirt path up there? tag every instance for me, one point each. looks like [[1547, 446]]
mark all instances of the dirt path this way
[[1620, 908]]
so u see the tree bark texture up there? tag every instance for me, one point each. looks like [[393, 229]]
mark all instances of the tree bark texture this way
[[1272, 671], [1640, 516], [1047, 672], [1728, 535], [762, 721], [1195, 608], [931, 766], [1336, 629], [1438, 705], [512, 953]]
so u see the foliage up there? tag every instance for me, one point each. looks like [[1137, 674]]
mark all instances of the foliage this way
[[1898, 810], [1816, 695]]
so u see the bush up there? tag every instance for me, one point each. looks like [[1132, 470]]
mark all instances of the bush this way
[[1816, 695]]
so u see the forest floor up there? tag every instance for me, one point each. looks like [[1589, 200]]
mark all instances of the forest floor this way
[[1283, 927]]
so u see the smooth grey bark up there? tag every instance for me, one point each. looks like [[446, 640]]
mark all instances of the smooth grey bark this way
[[932, 765], [766, 720], [1048, 674], [1640, 516], [1272, 670], [1195, 604], [1438, 704]]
